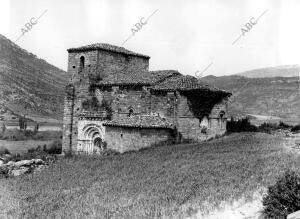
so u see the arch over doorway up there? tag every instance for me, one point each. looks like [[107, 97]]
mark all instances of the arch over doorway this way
[[92, 140]]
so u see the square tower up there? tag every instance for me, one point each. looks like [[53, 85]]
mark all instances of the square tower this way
[[90, 64]]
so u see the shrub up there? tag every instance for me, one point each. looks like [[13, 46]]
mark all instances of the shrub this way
[[268, 127], [4, 150], [241, 125], [283, 125], [296, 128], [282, 198], [54, 148], [3, 171]]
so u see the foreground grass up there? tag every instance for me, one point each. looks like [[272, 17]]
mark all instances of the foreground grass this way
[[169, 181]]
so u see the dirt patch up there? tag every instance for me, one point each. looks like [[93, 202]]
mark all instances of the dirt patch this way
[[238, 209]]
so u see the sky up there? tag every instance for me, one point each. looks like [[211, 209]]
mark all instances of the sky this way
[[185, 35]]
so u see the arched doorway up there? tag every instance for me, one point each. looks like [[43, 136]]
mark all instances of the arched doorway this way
[[99, 143], [93, 138]]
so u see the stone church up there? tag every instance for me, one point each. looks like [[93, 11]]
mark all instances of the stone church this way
[[113, 102]]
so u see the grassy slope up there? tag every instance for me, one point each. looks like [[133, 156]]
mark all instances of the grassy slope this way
[[276, 96], [173, 181], [28, 81]]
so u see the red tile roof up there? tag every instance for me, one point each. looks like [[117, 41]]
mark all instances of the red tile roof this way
[[107, 47], [140, 121]]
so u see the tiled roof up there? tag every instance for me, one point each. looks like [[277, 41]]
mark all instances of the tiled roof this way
[[137, 77], [107, 47], [183, 83], [140, 121]]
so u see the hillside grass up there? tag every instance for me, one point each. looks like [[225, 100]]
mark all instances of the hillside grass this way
[[168, 181]]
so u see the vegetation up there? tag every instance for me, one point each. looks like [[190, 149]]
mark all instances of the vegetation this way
[[262, 96], [296, 128], [18, 141], [244, 125], [268, 126], [28, 80], [283, 198], [240, 125], [20, 135], [3, 151], [169, 181], [21, 147], [32, 154]]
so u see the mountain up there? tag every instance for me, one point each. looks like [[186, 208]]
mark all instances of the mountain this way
[[278, 71], [262, 98], [29, 85]]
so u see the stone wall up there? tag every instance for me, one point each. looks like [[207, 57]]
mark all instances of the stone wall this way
[[125, 139], [103, 63], [165, 104], [68, 119], [97, 65], [171, 105], [198, 129], [217, 121], [134, 99], [174, 106]]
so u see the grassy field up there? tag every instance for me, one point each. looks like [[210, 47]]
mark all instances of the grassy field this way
[[169, 181], [22, 146]]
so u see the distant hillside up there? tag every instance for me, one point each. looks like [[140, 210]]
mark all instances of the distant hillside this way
[[28, 84], [261, 97], [279, 71]]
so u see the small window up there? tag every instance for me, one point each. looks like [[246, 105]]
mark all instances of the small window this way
[[121, 135], [81, 65], [130, 112], [73, 66]]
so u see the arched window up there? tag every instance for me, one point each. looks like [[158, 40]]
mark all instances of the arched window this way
[[81, 64]]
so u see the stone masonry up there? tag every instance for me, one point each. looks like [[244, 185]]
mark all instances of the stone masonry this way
[[114, 102]]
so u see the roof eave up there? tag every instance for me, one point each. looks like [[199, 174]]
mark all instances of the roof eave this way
[[137, 126], [108, 50]]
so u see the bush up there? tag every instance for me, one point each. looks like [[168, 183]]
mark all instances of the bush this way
[[296, 128], [241, 125], [3, 150], [282, 198], [268, 127], [54, 148], [282, 125]]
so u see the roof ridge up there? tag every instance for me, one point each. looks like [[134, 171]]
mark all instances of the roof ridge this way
[[106, 47]]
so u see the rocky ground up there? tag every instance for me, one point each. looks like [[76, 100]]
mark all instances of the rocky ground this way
[[17, 168], [21, 167]]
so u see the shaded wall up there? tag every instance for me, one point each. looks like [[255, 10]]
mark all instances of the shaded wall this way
[[126, 139]]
